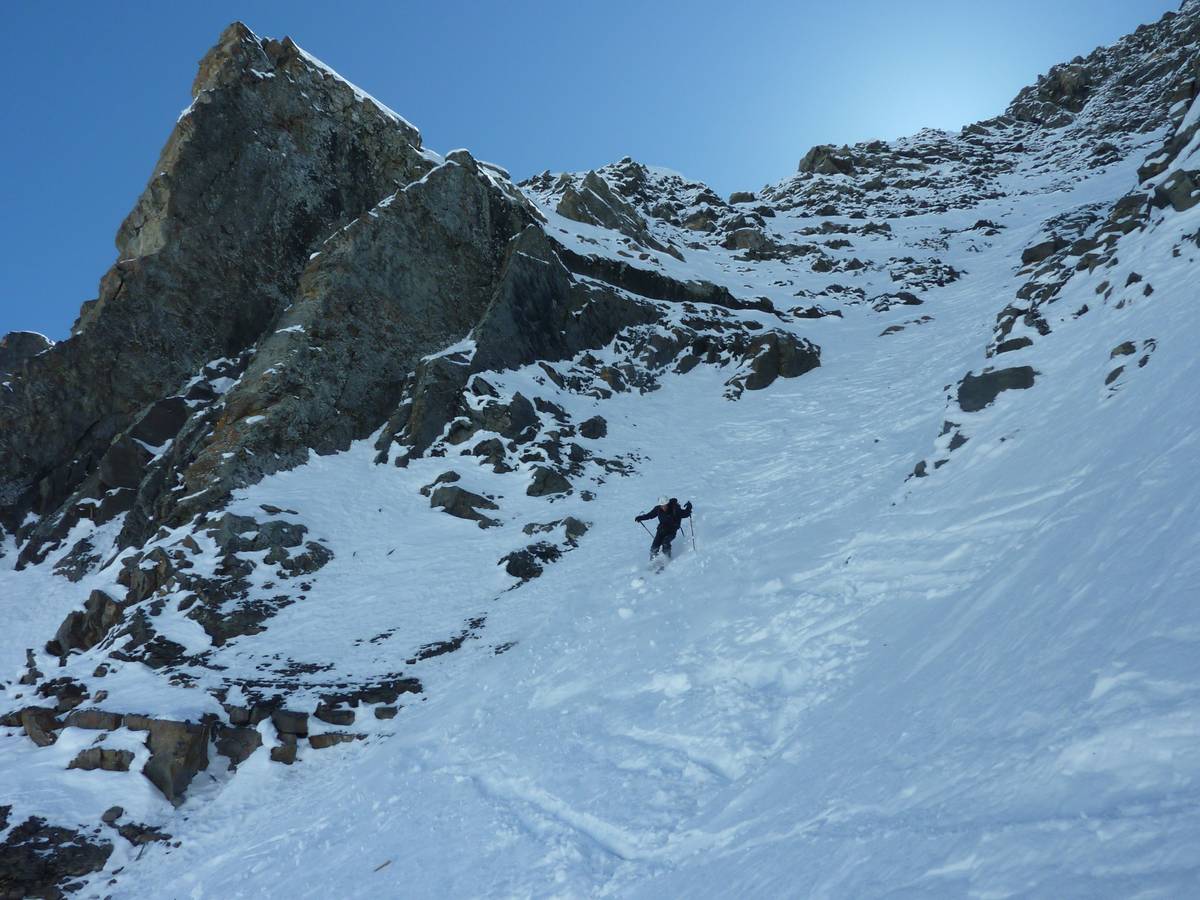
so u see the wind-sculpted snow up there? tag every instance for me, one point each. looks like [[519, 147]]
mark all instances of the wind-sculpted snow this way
[[934, 633]]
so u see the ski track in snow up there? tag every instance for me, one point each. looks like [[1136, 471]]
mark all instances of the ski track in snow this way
[[983, 683]]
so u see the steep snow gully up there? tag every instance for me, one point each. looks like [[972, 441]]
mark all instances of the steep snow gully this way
[[928, 642]]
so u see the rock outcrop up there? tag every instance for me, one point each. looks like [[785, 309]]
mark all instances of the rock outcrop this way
[[81, 630], [408, 278], [826, 159], [274, 154], [593, 202], [17, 347], [978, 391], [38, 859]]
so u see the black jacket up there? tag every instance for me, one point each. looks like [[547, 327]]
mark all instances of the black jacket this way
[[670, 518]]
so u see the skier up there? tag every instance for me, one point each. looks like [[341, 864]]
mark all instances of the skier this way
[[670, 517]]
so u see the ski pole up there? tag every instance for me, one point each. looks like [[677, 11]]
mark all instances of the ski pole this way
[[643, 524], [692, 522]]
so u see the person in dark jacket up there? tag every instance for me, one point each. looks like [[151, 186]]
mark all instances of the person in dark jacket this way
[[670, 517]]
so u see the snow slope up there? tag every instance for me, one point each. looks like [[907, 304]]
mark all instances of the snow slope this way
[[984, 682]]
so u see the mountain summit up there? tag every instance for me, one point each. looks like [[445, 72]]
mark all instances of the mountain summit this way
[[317, 548]]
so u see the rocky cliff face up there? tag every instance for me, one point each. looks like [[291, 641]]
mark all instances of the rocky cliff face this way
[[301, 278], [272, 157], [298, 240]]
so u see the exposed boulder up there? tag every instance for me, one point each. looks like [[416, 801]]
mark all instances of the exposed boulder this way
[[334, 716], [145, 645], [702, 219], [444, 478], [978, 391], [573, 527], [594, 428], [178, 751], [290, 722], [83, 630], [529, 563], [1017, 343], [1043, 250], [244, 534], [1181, 191], [40, 725], [81, 558], [237, 744], [32, 674], [748, 238], [814, 312], [314, 557], [102, 758], [67, 691], [826, 159], [434, 399], [493, 451], [223, 604], [514, 420], [138, 834], [780, 354], [94, 719], [884, 302], [463, 504], [547, 481], [332, 738], [919, 274]]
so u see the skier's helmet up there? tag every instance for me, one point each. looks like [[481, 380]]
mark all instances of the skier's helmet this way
[[663, 501]]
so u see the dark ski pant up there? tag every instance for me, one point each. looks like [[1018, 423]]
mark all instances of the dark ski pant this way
[[662, 541]]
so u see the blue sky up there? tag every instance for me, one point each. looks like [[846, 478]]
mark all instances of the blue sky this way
[[728, 93]]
